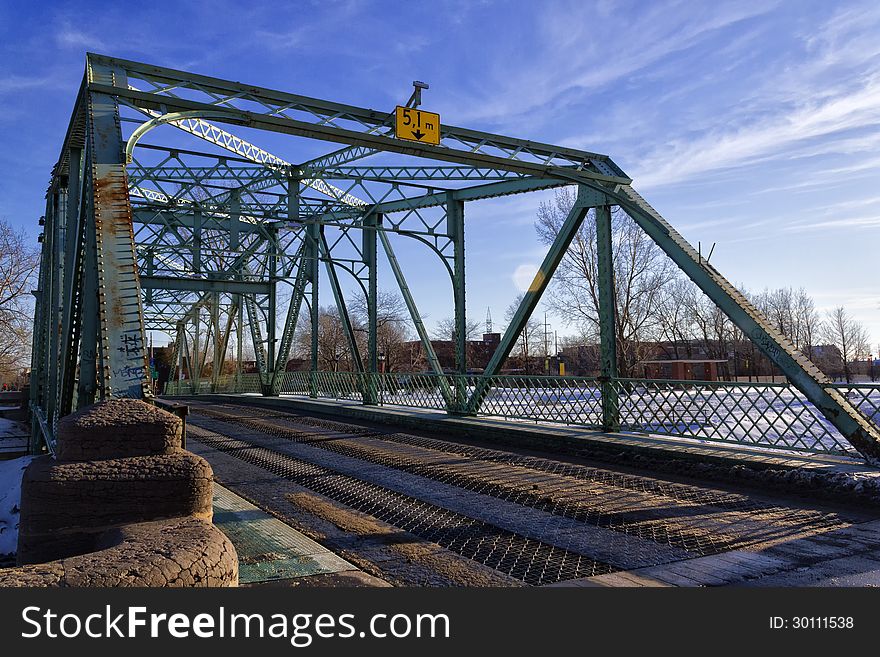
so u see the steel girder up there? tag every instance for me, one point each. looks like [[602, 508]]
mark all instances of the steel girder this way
[[215, 233]]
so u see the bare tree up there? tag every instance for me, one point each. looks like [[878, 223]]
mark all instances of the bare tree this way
[[675, 317], [778, 306], [445, 329], [806, 321], [641, 270], [18, 265], [333, 351], [848, 335], [392, 329], [530, 341]]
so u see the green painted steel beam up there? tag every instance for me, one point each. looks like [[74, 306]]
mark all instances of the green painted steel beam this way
[[474, 193], [204, 285], [124, 369], [607, 319], [87, 384], [369, 254], [52, 236], [293, 309], [531, 298], [319, 108], [331, 133], [341, 306], [400, 173], [416, 317], [72, 280], [253, 318], [312, 261], [290, 322], [186, 219], [338, 157], [271, 320], [803, 374], [455, 228]]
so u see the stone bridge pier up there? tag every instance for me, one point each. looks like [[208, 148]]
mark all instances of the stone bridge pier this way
[[121, 504]]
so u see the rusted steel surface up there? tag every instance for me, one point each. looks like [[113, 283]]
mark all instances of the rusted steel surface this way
[[122, 333]]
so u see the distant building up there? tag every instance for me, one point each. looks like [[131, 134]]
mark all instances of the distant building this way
[[296, 365], [478, 353], [581, 360], [827, 357], [682, 369]]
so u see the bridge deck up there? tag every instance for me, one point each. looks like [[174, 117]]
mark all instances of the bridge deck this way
[[416, 509]]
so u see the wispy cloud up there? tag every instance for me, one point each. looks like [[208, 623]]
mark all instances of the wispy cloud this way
[[768, 139], [571, 52], [68, 36], [828, 102], [14, 83]]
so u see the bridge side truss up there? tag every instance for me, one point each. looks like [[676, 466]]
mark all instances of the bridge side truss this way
[[203, 245]]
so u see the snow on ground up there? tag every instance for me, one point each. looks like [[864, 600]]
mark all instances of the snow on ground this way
[[761, 415], [9, 428], [10, 501]]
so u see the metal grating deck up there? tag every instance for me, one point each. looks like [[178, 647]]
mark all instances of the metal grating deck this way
[[651, 525], [526, 559]]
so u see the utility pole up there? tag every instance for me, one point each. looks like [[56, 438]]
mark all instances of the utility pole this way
[[546, 346]]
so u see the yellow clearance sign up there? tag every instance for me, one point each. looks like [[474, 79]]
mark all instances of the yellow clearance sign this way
[[417, 125]]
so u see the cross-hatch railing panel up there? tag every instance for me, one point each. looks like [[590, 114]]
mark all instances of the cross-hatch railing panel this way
[[773, 415]]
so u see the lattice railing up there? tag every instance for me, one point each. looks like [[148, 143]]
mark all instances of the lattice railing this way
[[756, 414], [761, 414], [865, 397]]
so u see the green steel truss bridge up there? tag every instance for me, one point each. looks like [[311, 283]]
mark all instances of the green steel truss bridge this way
[[229, 239]]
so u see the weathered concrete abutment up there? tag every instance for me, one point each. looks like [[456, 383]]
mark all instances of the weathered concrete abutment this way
[[122, 504]]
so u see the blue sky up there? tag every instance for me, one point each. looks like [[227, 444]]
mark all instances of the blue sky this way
[[755, 126]]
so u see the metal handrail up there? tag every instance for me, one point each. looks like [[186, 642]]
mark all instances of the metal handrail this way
[[757, 414]]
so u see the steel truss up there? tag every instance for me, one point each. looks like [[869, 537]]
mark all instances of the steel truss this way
[[204, 245]]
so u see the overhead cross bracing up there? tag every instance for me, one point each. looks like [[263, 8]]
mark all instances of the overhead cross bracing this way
[[212, 235]]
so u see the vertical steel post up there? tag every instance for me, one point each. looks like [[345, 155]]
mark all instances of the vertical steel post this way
[[217, 361], [37, 358], [197, 241], [151, 267], [239, 342], [234, 219], [89, 354], [179, 350], [313, 237], [195, 369], [455, 229], [124, 369], [607, 319], [187, 357], [52, 237], [369, 253], [271, 322], [234, 245], [72, 279]]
